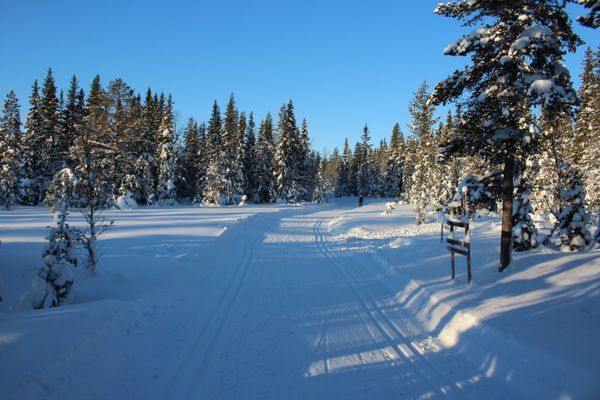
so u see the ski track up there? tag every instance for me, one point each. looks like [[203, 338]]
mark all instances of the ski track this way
[[385, 326], [189, 375]]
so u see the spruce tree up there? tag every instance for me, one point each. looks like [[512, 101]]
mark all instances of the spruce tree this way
[[363, 164], [265, 191], [395, 163], [72, 118], [10, 136], [422, 194], [344, 185], [56, 276], [189, 163], [318, 193], [214, 186], [287, 174], [165, 190], [33, 148], [587, 145], [516, 58], [250, 157], [52, 157]]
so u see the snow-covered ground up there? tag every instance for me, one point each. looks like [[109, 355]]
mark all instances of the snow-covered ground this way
[[297, 302]]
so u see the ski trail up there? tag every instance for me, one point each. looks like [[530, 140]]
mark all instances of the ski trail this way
[[400, 344], [190, 372]]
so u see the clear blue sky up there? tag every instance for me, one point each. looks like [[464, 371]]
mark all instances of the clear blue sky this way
[[343, 63]]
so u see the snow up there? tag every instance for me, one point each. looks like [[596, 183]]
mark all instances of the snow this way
[[312, 301]]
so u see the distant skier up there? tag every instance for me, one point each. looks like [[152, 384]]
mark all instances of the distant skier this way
[[360, 200]]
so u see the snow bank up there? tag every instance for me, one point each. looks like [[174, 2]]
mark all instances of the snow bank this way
[[535, 325]]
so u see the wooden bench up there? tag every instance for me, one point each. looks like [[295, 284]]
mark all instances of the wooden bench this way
[[462, 247]]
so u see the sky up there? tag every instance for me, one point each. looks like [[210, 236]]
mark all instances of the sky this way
[[343, 63]]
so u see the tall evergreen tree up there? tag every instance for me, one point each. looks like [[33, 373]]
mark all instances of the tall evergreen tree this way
[[52, 157], [587, 145], [516, 60], [287, 174], [33, 148], [345, 184], [10, 137], [395, 163], [214, 187], [72, 118], [250, 156], [265, 191], [165, 190]]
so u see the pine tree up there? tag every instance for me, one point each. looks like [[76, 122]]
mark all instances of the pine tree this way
[[32, 153], [287, 174], [318, 194], [587, 145], [56, 276], [214, 187], [263, 171], [344, 185], [188, 174], [425, 176], [166, 168], [250, 156], [53, 158], [363, 164], [10, 136], [572, 219], [395, 163], [72, 118], [516, 64], [524, 231]]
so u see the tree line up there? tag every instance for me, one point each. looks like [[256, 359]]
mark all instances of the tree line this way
[[131, 149]]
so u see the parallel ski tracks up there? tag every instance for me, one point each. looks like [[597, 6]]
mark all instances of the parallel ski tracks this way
[[190, 373], [389, 331]]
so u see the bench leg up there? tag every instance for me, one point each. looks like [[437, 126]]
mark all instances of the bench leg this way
[[452, 263]]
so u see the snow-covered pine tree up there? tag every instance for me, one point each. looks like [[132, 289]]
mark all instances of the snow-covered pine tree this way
[[306, 163], [53, 157], [93, 187], [363, 164], [62, 188], [10, 138], [319, 191], [55, 278], [233, 176], [573, 234], [516, 58], [240, 155], [250, 157], [425, 175], [202, 162], [188, 165], [524, 231], [213, 190], [146, 162], [587, 145], [71, 117], [395, 160], [32, 147], [263, 166], [286, 173], [120, 98], [344, 185], [165, 190]]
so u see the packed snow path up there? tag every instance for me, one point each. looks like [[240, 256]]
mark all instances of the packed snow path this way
[[296, 317], [275, 307]]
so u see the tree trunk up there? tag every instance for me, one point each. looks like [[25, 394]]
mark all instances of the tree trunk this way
[[507, 206]]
